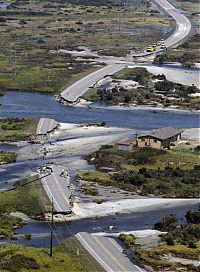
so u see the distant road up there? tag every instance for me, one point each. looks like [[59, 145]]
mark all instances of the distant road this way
[[72, 93], [107, 252], [183, 24], [183, 28], [46, 125]]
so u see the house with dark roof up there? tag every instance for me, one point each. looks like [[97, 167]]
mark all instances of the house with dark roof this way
[[160, 138]]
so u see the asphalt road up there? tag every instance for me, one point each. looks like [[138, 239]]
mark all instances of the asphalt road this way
[[57, 187], [46, 125], [183, 25], [108, 252], [72, 93]]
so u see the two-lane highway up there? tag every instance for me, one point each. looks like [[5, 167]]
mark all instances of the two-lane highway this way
[[57, 186], [183, 24], [183, 28], [108, 252], [72, 93]]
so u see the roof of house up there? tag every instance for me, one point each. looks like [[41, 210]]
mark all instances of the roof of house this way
[[162, 134], [127, 143]]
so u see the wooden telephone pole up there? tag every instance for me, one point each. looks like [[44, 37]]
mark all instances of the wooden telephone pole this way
[[51, 234]]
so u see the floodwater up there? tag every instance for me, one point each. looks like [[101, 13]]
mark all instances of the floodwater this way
[[124, 222], [35, 105], [9, 147]]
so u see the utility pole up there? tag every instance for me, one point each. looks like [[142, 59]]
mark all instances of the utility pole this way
[[51, 235], [15, 62]]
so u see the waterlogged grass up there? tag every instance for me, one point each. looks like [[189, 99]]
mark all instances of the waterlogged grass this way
[[7, 157], [89, 190], [153, 256], [15, 129], [7, 223], [17, 258]]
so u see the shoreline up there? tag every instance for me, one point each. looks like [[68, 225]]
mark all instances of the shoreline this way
[[90, 104]]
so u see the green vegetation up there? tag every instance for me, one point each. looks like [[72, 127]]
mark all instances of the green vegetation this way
[[188, 52], [128, 239], [89, 190], [139, 74], [180, 241], [17, 258], [28, 197], [15, 129], [32, 32], [95, 176], [163, 91], [7, 157], [7, 224], [147, 171]]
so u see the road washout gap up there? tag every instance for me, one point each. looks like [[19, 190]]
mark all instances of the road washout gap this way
[[76, 90]]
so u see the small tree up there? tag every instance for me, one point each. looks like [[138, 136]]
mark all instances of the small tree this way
[[192, 244], [169, 240]]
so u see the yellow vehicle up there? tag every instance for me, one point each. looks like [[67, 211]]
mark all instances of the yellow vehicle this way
[[158, 43], [150, 49], [162, 46]]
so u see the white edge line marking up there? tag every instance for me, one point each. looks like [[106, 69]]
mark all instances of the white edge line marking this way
[[78, 234], [46, 184]]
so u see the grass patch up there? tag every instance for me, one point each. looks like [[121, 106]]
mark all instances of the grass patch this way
[[30, 30], [89, 190], [95, 176], [28, 197], [170, 173], [15, 257], [91, 95], [138, 74], [7, 225], [15, 129], [7, 157], [180, 241]]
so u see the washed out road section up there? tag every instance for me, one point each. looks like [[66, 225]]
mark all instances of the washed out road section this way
[[46, 125], [76, 90], [183, 28], [57, 188]]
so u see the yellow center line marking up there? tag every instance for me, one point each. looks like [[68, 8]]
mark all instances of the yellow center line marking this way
[[60, 189], [109, 254]]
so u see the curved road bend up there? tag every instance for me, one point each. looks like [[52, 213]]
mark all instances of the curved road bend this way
[[183, 24], [72, 93]]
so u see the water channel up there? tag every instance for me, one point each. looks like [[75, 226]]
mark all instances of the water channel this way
[[35, 105]]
